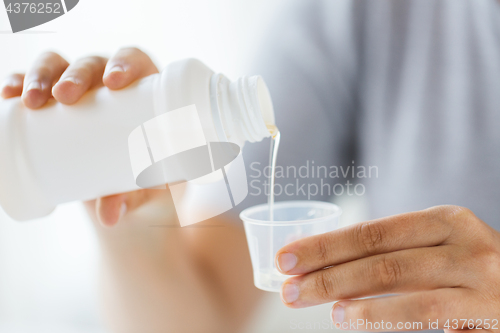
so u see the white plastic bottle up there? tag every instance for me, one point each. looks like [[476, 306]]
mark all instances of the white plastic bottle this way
[[65, 153]]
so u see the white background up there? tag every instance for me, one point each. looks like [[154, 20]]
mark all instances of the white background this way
[[218, 32], [48, 267]]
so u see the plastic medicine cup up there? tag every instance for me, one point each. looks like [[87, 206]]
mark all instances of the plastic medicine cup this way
[[292, 220]]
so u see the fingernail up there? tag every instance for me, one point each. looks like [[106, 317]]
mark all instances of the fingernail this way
[[72, 80], [34, 85], [286, 261], [338, 313], [123, 209], [114, 69], [289, 293]]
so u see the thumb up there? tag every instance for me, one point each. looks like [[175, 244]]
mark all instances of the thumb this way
[[110, 209]]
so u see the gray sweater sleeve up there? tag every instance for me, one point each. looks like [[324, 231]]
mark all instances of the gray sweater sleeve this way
[[309, 66]]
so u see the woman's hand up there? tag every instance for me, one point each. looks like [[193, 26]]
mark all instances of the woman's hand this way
[[154, 278], [444, 262], [52, 76]]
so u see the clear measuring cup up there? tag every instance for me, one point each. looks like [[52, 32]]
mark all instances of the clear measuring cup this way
[[292, 220]]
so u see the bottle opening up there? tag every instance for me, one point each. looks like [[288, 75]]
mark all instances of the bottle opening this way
[[273, 130], [265, 104], [243, 108]]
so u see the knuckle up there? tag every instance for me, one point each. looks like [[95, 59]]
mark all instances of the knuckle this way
[[429, 307], [92, 61], [130, 50], [15, 77], [81, 69], [371, 236], [489, 260], [459, 220], [451, 259], [322, 247], [43, 72], [50, 56], [388, 272], [362, 310], [86, 67], [324, 286], [452, 213]]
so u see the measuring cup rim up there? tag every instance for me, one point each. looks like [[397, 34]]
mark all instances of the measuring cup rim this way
[[337, 211]]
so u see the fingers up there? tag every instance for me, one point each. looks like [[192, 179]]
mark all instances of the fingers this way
[[399, 232], [78, 78], [39, 79], [111, 209], [126, 66], [401, 271], [12, 86], [410, 312]]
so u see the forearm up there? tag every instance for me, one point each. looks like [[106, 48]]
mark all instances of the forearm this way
[[157, 277]]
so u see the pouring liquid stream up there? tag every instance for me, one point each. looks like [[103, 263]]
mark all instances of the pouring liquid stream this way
[[273, 153]]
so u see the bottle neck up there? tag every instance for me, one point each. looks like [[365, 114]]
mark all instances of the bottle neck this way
[[242, 110]]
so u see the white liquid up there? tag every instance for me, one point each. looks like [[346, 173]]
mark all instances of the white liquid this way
[[273, 153], [270, 279]]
